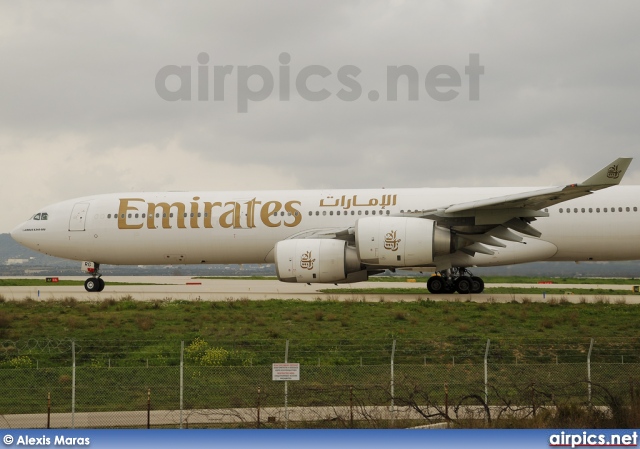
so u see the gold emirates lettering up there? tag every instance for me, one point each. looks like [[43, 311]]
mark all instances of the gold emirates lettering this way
[[233, 214]]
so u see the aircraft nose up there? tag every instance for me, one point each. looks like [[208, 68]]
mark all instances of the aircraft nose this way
[[22, 237], [17, 234]]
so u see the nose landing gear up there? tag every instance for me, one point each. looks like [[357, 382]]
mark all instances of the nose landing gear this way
[[95, 282]]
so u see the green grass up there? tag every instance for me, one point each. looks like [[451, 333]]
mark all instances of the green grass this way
[[125, 347], [143, 324]]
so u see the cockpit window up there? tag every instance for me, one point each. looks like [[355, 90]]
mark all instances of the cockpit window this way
[[36, 217], [44, 216]]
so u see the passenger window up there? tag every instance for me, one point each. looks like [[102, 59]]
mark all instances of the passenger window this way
[[590, 210], [597, 209], [560, 210], [353, 212], [338, 213], [324, 212], [108, 215], [605, 209], [373, 212], [613, 209], [310, 213], [331, 212], [388, 212], [366, 212], [575, 210], [628, 209], [359, 212], [583, 210], [317, 213], [619, 209]]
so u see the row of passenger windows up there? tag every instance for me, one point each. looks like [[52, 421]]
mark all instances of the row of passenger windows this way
[[43, 216], [275, 214], [346, 212], [575, 210]]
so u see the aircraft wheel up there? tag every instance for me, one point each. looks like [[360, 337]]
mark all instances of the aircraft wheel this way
[[477, 284], [91, 284], [436, 285], [463, 285], [101, 285]]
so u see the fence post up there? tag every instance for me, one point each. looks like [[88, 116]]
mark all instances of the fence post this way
[[149, 408], [446, 403], [589, 370], [351, 406], [48, 410], [73, 384], [258, 423], [486, 375], [181, 380], [286, 388], [393, 353]]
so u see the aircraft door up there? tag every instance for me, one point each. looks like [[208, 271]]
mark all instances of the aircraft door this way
[[78, 217]]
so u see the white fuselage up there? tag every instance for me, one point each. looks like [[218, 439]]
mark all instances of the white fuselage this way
[[243, 227]]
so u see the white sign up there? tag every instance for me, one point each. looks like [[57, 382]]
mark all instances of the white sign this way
[[285, 371]]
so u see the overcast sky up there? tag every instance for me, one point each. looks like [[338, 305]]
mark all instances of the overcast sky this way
[[81, 112]]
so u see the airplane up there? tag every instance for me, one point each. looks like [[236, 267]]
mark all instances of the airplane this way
[[345, 236]]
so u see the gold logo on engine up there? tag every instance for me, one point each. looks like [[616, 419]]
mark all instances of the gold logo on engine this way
[[391, 241], [306, 262]]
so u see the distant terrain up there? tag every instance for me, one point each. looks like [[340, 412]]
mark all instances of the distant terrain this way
[[16, 260]]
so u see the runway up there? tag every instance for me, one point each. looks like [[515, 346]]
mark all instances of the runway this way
[[190, 289]]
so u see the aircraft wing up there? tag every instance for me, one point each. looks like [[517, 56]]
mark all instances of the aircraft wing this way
[[526, 205], [487, 222]]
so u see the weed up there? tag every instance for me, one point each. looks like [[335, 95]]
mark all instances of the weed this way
[[400, 315], [145, 322]]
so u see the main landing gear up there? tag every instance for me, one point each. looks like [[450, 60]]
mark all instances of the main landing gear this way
[[95, 282], [453, 280]]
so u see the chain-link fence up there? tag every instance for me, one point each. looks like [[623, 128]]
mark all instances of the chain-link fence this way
[[465, 382]]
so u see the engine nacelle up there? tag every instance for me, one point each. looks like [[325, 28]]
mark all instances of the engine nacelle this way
[[401, 241], [317, 261]]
